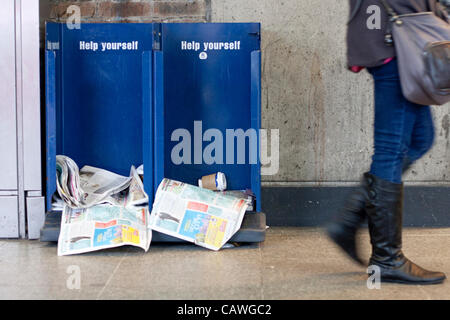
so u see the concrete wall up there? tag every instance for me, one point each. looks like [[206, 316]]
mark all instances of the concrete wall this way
[[324, 112]]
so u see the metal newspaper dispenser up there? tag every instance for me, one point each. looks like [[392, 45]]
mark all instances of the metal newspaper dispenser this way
[[115, 93]]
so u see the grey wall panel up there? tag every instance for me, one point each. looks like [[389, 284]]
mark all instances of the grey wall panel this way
[[36, 216], [8, 149], [8, 193], [31, 95], [9, 217]]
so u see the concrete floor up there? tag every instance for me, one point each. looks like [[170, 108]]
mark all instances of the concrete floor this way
[[293, 263]]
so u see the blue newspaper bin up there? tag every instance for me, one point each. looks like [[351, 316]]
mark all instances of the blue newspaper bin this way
[[118, 94], [98, 92], [208, 84]]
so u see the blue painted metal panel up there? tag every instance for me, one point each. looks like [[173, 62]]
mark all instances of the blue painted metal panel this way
[[256, 120], [147, 118], [50, 120], [213, 86], [53, 101], [158, 96], [99, 94]]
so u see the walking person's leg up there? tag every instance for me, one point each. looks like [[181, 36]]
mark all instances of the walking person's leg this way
[[394, 123], [403, 133], [345, 224], [422, 137]]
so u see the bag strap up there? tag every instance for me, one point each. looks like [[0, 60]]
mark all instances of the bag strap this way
[[388, 39], [391, 12], [355, 11]]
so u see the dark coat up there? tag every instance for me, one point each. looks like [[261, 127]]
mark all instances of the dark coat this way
[[366, 47]]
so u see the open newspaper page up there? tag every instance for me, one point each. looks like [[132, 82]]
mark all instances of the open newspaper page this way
[[133, 195], [101, 227], [204, 217], [99, 184]]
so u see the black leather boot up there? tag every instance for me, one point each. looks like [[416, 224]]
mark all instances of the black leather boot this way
[[384, 210], [343, 227]]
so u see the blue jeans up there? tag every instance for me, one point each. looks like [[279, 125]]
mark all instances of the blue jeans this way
[[404, 131]]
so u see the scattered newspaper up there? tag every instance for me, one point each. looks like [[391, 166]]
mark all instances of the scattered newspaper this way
[[101, 227], [204, 217], [100, 209], [91, 186]]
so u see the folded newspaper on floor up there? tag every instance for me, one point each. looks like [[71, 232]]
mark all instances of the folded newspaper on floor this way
[[204, 217], [101, 209]]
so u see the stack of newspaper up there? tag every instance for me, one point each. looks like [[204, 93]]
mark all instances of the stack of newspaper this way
[[101, 209], [91, 186]]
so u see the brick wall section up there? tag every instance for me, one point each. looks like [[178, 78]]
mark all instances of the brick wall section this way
[[134, 10]]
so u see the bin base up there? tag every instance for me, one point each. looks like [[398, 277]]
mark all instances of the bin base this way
[[253, 229]]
